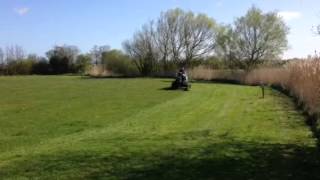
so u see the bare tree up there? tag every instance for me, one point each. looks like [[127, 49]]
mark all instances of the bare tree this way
[[177, 36], [142, 50], [61, 58], [97, 51], [66, 51], [1, 56], [162, 41], [174, 21], [185, 36], [33, 57], [14, 53], [198, 36], [254, 38]]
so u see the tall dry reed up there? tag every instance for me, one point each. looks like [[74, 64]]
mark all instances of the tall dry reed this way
[[205, 73], [98, 71], [300, 78]]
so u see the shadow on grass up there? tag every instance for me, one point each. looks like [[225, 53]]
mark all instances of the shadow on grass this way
[[219, 81], [167, 89], [228, 160], [110, 77], [169, 80], [171, 89], [312, 120]]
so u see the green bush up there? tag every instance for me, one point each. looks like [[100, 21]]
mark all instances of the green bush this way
[[41, 67], [22, 67], [119, 63], [82, 64]]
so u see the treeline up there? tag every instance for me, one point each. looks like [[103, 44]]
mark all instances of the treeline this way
[[62, 60], [175, 39], [183, 38]]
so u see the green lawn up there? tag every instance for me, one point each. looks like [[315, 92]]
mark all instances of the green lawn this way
[[68, 127]]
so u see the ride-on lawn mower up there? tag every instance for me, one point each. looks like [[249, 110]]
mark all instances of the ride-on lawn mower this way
[[181, 82]]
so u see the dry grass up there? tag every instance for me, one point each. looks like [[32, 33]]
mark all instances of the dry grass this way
[[204, 73], [269, 76], [300, 78], [304, 82], [99, 71]]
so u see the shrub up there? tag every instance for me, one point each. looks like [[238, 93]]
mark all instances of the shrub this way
[[62, 58], [41, 67], [60, 65], [82, 64], [118, 63], [22, 67], [2, 69]]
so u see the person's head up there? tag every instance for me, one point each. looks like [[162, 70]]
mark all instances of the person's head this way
[[182, 70]]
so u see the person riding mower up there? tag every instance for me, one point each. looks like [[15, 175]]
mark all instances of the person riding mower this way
[[181, 81]]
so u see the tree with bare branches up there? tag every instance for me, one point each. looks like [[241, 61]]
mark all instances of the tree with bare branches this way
[[177, 37], [142, 50], [253, 39], [97, 51]]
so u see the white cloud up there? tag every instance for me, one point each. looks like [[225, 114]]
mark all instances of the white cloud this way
[[22, 11], [289, 15]]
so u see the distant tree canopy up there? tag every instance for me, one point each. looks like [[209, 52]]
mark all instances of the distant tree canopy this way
[[180, 38], [96, 53], [143, 51], [176, 36], [13, 53], [83, 63], [42, 66], [61, 58], [119, 63], [1, 56], [253, 39]]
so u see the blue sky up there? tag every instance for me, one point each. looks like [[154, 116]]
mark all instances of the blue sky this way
[[38, 25]]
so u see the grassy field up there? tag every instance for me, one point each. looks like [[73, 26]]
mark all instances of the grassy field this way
[[67, 127]]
